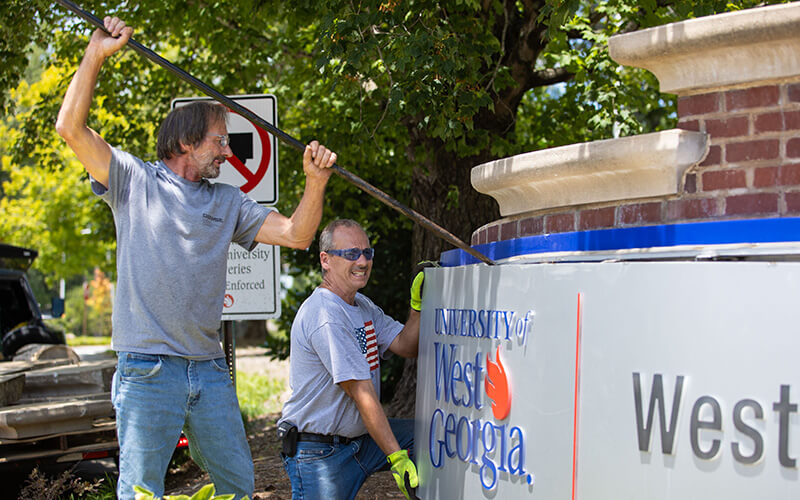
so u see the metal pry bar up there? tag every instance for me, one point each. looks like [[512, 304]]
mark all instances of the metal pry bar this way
[[257, 120]]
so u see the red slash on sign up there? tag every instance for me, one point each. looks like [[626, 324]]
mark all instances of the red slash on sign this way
[[253, 178]]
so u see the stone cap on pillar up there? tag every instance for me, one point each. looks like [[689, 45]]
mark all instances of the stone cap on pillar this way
[[716, 52], [634, 167]]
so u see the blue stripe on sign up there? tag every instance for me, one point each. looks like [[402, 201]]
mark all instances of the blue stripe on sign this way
[[667, 235]]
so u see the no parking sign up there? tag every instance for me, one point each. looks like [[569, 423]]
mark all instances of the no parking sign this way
[[252, 289]]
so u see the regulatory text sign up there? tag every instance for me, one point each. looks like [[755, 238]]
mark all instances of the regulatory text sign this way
[[252, 289]]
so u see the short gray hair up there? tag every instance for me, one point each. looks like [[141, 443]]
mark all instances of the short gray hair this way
[[326, 238]]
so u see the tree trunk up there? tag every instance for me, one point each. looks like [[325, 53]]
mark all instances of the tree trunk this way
[[441, 187], [442, 191]]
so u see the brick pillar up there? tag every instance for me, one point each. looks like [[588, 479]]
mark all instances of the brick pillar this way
[[753, 165], [737, 78]]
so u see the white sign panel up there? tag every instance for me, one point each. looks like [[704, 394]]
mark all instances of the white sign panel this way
[[612, 381], [252, 290], [253, 168]]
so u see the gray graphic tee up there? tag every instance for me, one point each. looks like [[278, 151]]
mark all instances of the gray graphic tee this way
[[332, 342], [173, 237]]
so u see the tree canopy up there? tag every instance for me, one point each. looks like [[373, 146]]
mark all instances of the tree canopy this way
[[411, 94]]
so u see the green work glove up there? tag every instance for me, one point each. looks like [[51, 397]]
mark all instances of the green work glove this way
[[402, 466], [416, 285]]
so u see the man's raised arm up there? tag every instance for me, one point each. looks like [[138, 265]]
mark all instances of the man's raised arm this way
[[92, 151]]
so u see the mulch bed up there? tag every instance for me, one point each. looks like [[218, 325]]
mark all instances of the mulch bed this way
[[271, 479]]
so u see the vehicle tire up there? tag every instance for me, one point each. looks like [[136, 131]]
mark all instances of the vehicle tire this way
[[28, 334]]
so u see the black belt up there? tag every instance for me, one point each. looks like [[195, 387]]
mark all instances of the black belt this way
[[325, 438]]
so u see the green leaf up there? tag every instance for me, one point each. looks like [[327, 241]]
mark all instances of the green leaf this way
[[204, 493], [142, 493]]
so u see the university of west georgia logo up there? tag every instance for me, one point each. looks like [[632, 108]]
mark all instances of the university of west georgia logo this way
[[492, 446]]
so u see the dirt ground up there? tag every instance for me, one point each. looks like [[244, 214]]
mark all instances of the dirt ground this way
[[271, 481]]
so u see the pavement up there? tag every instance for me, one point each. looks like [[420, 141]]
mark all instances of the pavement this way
[[93, 352]]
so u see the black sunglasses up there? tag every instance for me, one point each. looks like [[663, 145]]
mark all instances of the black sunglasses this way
[[354, 253]]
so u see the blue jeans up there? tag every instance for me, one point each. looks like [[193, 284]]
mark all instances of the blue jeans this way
[[155, 397], [337, 471]]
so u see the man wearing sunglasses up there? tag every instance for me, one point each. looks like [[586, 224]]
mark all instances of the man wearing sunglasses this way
[[334, 430], [174, 229]]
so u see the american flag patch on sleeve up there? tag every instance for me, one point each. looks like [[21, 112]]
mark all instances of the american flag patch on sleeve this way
[[368, 344]]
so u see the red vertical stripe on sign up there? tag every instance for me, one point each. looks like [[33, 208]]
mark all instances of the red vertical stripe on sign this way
[[575, 410]]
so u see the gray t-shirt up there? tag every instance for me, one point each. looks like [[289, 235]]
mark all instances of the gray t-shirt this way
[[173, 237], [332, 342]]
